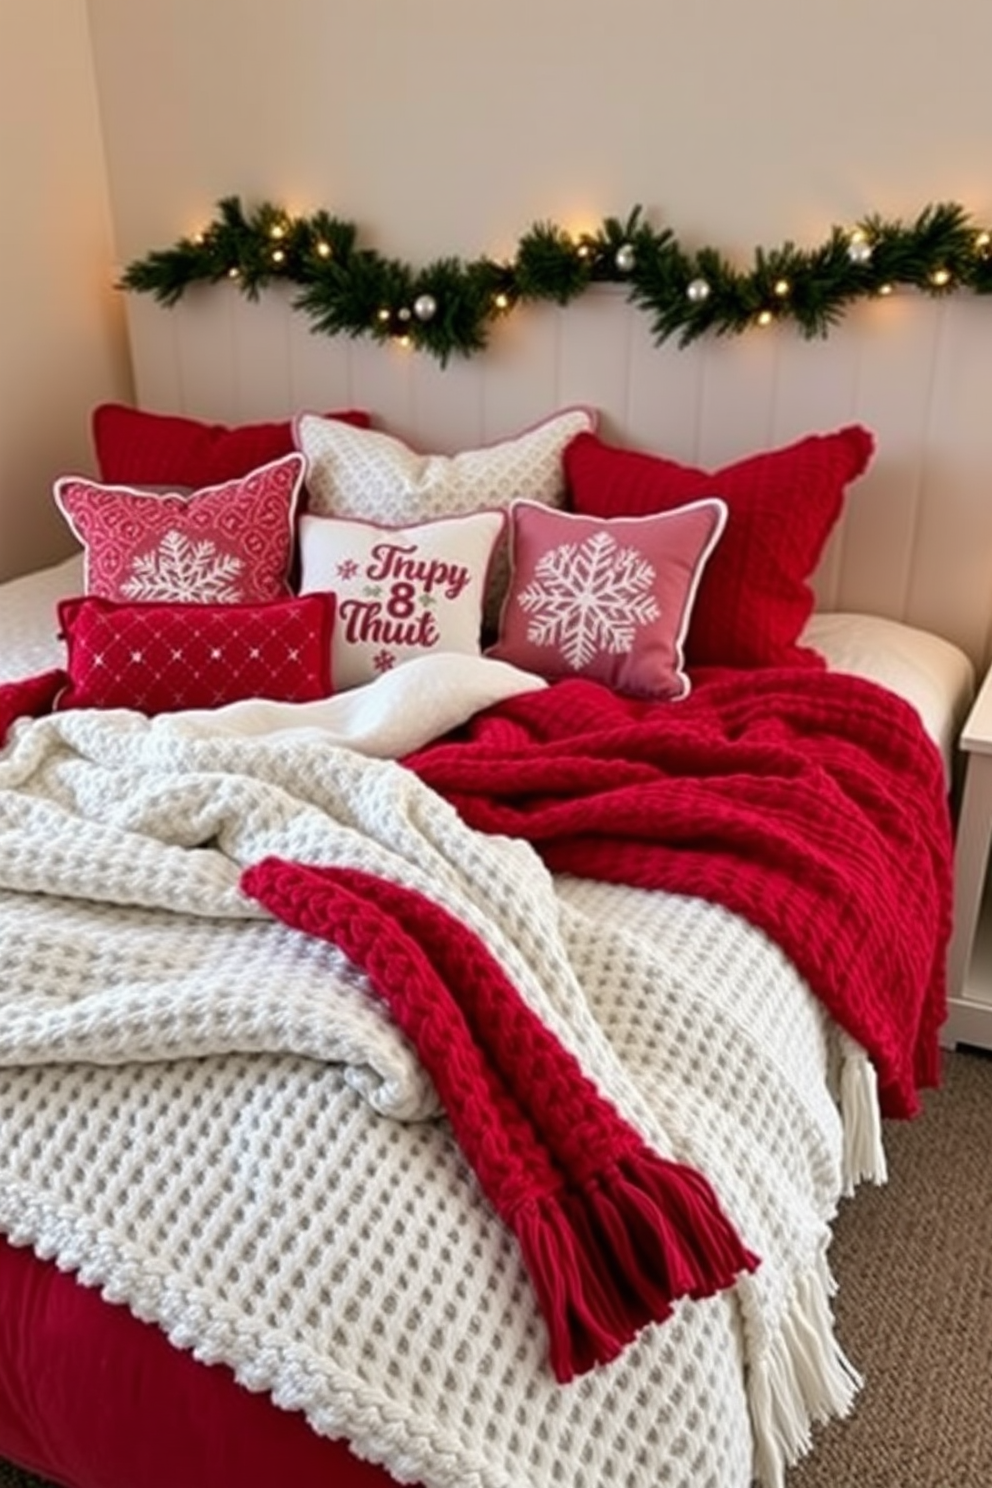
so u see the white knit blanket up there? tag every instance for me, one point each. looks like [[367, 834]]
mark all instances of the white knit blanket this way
[[208, 1116]]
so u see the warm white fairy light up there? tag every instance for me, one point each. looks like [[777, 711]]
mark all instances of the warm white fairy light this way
[[278, 256], [501, 301], [782, 288], [383, 315], [765, 317], [940, 277]]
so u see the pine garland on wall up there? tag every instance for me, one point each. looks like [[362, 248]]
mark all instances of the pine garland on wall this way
[[449, 306]]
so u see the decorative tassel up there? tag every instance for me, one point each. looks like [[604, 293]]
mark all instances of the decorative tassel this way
[[611, 1232], [864, 1154], [802, 1376]]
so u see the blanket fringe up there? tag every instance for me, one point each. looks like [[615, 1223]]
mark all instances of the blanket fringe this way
[[612, 1256], [802, 1378], [864, 1155]]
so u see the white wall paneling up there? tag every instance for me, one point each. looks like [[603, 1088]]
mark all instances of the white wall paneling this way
[[915, 541]]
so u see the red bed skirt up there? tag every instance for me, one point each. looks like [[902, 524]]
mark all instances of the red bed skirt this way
[[93, 1398]]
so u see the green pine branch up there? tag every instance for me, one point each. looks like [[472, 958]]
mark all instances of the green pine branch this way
[[449, 307]]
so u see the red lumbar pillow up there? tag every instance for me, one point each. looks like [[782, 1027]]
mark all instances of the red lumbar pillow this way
[[754, 597], [156, 449], [159, 658]]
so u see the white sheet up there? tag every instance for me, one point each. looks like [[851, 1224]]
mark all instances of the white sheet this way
[[928, 671]]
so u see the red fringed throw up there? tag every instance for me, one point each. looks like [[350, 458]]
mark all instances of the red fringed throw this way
[[611, 1233]]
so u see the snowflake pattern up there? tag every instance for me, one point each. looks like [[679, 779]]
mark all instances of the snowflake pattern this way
[[384, 661], [347, 569], [184, 570], [589, 597]]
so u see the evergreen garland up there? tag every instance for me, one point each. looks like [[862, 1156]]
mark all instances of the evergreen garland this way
[[448, 307]]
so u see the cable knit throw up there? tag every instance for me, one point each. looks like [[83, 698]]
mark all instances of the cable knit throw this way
[[812, 804], [210, 1116], [612, 1233]]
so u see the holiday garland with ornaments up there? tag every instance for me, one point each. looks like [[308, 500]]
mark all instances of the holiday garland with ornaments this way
[[449, 306]]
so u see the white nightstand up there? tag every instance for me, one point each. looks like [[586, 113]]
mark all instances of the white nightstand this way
[[969, 966]]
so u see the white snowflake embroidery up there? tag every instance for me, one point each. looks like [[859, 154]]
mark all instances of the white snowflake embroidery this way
[[589, 597], [182, 569]]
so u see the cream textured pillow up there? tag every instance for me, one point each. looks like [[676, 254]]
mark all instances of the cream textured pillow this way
[[375, 476], [401, 592], [365, 473]]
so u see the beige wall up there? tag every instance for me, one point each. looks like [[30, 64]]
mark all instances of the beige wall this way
[[449, 126], [442, 127], [62, 345]]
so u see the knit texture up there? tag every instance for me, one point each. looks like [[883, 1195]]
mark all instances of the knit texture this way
[[812, 804], [611, 1234], [191, 1099]]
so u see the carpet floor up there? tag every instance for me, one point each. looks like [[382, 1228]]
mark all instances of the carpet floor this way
[[914, 1310]]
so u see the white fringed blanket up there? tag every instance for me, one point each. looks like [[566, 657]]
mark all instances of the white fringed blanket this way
[[207, 1115]]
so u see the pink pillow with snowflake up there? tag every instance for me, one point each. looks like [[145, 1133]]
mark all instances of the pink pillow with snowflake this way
[[606, 598], [401, 591], [226, 544]]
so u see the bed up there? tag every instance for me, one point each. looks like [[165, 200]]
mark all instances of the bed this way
[[453, 1079]]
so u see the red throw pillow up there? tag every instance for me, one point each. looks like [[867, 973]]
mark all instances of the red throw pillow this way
[[159, 658], [132, 445], [233, 543], [754, 597]]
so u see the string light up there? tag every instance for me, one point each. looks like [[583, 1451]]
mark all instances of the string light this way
[[942, 251]]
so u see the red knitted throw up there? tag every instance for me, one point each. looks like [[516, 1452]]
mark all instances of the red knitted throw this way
[[810, 803], [611, 1233], [29, 697]]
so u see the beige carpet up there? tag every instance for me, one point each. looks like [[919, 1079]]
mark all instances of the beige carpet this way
[[914, 1312], [914, 1261]]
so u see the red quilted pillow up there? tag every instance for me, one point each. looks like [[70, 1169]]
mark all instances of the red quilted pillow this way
[[754, 597], [132, 445], [158, 658]]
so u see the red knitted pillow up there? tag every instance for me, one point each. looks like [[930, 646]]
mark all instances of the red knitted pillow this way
[[158, 658], [754, 597], [132, 445]]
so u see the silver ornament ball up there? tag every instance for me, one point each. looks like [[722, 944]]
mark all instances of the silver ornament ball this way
[[625, 258], [425, 307], [697, 291]]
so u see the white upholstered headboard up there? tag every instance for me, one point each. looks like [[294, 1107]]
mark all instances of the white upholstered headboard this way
[[915, 542]]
